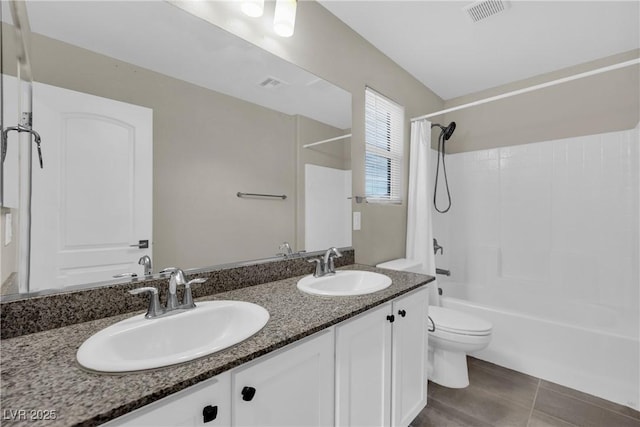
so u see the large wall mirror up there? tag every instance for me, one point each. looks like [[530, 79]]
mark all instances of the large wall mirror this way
[[152, 121]]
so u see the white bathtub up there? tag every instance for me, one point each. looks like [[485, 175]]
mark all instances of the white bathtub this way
[[594, 358]]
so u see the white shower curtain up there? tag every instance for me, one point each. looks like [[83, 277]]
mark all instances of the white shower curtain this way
[[419, 227]]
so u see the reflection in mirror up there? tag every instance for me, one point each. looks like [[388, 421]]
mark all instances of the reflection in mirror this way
[[152, 120]]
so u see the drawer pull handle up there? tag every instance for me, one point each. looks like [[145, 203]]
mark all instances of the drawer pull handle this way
[[248, 393], [209, 413], [391, 318]]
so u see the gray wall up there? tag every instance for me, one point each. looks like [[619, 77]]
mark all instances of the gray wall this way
[[325, 46], [602, 103]]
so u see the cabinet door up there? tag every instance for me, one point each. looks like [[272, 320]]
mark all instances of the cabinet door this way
[[293, 387], [409, 368], [186, 408], [363, 368]]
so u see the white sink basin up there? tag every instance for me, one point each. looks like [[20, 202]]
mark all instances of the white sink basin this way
[[138, 343], [345, 282]]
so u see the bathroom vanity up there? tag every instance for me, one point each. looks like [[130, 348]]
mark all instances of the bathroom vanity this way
[[376, 359], [318, 361]]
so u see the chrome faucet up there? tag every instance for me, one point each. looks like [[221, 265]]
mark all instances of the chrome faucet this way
[[287, 248], [177, 278], [329, 255], [146, 262], [326, 265]]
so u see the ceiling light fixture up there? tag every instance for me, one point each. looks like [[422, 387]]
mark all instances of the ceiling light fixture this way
[[284, 19], [252, 8]]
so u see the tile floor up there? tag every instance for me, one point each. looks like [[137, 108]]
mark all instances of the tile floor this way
[[500, 397]]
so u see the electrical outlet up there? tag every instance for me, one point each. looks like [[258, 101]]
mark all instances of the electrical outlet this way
[[8, 228]]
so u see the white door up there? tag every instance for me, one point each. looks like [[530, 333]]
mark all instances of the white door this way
[[363, 370], [93, 199], [409, 369], [291, 388]]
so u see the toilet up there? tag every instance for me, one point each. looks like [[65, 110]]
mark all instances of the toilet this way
[[452, 334]]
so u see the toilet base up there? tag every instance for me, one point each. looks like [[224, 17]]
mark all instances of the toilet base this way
[[448, 368]]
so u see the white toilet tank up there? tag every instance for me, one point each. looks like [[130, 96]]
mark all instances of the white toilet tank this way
[[403, 264], [413, 266]]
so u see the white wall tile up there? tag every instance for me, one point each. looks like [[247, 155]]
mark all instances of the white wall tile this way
[[557, 219]]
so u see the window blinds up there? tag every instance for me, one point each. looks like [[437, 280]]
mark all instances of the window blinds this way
[[384, 135]]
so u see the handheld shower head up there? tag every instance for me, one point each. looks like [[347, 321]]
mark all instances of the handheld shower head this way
[[446, 131], [20, 128], [445, 134]]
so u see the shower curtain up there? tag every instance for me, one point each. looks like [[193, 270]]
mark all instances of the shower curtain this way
[[419, 227]]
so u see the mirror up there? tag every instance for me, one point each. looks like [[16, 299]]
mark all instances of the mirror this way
[[152, 122]]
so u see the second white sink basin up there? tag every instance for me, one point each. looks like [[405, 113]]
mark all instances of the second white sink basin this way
[[344, 283], [138, 343]]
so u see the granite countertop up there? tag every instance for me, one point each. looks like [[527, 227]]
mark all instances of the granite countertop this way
[[39, 371]]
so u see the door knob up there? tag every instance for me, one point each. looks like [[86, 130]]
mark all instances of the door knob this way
[[391, 318], [248, 393], [142, 244], [402, 313]]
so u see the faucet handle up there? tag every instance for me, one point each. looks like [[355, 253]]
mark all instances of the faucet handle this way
[[133, 276], [319, 262], [155, 309], [287, 248], [187, 300]]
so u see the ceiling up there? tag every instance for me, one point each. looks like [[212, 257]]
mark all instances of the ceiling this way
[[442, 47], [180, 45]]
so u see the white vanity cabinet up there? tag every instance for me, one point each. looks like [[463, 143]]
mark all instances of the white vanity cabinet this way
[[205, 404], [381, 376], [409, 357], [293, 387], [368, 370]]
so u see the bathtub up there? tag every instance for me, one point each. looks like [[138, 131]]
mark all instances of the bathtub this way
[[590, 349]]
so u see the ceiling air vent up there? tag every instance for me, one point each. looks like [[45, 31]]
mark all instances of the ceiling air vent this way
[[270, 83], [483, 9]]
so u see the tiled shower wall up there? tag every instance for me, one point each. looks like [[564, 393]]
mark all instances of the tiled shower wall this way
[[548, 229]]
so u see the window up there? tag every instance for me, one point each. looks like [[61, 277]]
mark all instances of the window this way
[[384, 135]]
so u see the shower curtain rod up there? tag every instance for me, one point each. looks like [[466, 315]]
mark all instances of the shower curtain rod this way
[[531, 88], [324, 141]]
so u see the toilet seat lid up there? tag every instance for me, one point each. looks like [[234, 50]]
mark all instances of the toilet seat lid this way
[[457, 322]]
